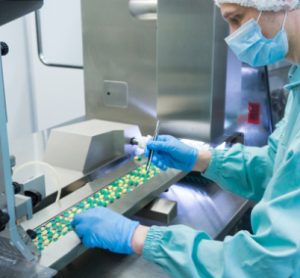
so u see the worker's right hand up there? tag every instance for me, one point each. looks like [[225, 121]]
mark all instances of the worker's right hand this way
[[171, 152], [103, 228]]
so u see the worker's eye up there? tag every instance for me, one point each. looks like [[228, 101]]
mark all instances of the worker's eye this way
[[234, 21]]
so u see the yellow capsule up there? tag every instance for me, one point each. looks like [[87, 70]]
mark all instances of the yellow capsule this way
[[44, 232]]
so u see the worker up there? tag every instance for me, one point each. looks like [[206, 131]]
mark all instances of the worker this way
[[262, 32]]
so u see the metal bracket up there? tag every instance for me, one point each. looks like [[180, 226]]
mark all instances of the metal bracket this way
[[161, 210]]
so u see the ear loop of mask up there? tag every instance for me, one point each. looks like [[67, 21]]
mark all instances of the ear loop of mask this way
[[283, 23], [259, 16]]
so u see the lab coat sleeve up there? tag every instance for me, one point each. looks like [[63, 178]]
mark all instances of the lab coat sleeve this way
[[273, 250], [245, 170]]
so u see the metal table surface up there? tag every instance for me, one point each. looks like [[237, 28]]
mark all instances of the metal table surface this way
[[201, 206]]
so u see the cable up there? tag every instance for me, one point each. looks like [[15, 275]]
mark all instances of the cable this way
[[46, 165], [269, 100]]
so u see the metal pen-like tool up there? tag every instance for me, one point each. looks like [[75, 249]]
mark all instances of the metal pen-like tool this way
[[149, 162]]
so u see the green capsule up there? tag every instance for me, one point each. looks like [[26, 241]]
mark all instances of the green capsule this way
[[40, 243], [90, 200], [98, 203], [104, 192], [92, 205], [81, 205]]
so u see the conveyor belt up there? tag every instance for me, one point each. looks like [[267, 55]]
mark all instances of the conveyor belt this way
[[60, 225]]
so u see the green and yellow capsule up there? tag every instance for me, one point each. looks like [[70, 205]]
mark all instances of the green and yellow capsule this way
[[46, 242], [44, 232]]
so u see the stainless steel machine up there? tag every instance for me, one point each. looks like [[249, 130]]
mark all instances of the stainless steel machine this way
[[158, 60], [164, 59], [143, 61]]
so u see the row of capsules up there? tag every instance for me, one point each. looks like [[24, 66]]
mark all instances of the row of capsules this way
[[60, 225]]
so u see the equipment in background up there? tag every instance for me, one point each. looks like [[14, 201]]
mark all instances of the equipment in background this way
[[167, 62], [278, 78], [12, 9]]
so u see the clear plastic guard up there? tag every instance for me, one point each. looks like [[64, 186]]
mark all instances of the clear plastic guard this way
[[19, 268]]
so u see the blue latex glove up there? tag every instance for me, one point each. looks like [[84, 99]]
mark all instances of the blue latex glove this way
[[171, 152], [104, 228]]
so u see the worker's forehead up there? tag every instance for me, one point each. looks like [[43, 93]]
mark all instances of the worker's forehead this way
[[228, 10]]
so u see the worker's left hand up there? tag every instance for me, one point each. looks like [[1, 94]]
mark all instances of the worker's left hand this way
[[104, 228]]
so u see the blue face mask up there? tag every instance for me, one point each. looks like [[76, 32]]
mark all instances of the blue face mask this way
[[252, 47]]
